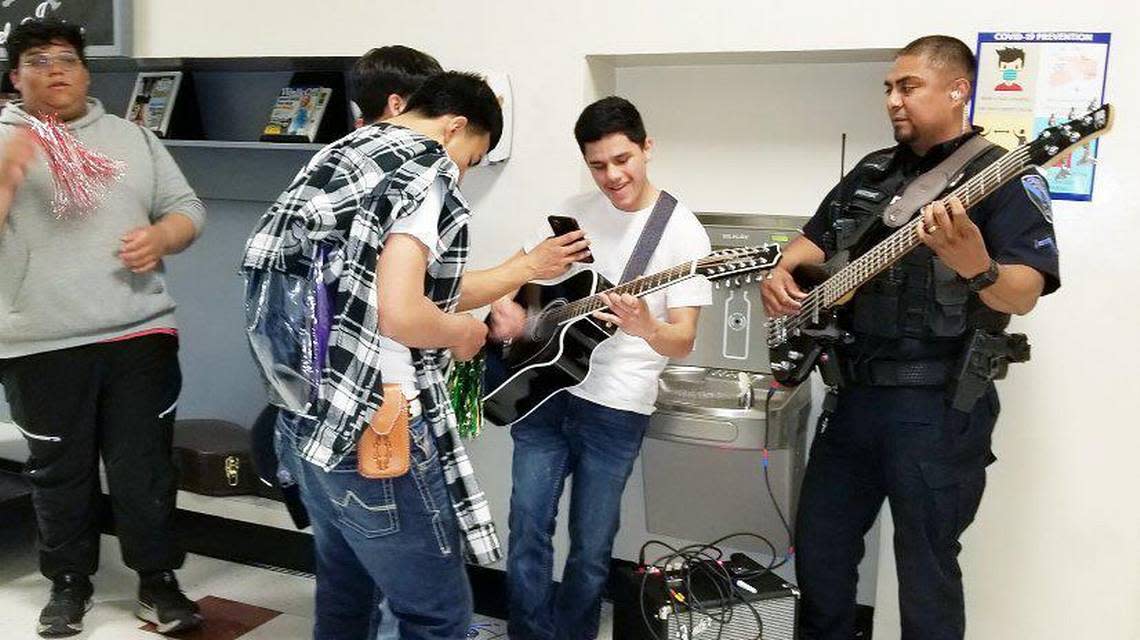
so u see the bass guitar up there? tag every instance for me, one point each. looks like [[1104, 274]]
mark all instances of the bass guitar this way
[[797, 342]]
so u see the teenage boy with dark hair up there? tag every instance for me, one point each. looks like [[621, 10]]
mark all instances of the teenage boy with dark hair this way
[[384, 78], [384, 207], [88, 338], [594, 430]]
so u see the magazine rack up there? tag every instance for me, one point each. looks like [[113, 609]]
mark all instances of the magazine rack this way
[[233, 97], [221, 110]]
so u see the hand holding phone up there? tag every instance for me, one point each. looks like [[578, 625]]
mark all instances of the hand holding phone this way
[[561, 225]]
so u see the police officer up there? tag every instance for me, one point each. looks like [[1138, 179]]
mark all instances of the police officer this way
[[891, 430]]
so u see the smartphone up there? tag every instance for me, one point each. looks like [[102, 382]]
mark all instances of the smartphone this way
[[562, 225]]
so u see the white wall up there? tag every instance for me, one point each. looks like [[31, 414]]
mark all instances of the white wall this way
[[757, 138], [752, 135], [1056, 550]]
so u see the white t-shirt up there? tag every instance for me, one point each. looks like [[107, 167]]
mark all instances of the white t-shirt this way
[[624, 369], [423, 225]]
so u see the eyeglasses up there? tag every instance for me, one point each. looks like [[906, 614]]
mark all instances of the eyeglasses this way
[[43, 61]]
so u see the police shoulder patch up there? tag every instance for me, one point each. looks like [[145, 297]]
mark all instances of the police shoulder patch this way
[[1038, 191]]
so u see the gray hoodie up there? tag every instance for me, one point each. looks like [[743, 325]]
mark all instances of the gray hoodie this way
[[62, 284]]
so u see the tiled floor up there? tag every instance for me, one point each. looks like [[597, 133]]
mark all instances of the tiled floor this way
[[23, 592]]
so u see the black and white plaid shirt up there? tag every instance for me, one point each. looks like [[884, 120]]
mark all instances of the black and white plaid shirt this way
[[346, 200]]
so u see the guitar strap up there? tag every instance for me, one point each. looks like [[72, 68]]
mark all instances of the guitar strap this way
[[650, 237], [926, 187]]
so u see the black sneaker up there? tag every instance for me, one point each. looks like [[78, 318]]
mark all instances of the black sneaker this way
[[162, 603], [70, 599]]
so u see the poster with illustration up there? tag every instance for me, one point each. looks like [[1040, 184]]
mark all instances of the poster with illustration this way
[[1029, 81]]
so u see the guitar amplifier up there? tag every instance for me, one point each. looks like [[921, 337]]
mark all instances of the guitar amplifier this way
[[705, 605]]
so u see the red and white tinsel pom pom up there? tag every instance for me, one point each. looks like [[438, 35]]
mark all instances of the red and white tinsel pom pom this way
[[82, 176]]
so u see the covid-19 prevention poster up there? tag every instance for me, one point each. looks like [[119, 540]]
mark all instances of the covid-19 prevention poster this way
[[1028, 81]]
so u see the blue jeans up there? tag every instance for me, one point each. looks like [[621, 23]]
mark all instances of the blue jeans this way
[[396, 539], [597, 445]]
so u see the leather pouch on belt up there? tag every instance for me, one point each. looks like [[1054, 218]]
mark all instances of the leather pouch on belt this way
[[384, 449]]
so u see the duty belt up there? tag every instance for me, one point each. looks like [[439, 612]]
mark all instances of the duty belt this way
[[889, 373]]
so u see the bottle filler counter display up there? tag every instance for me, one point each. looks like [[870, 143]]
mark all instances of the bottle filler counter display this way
[[702, 463]]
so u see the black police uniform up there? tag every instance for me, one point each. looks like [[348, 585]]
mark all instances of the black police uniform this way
[[890, 432]]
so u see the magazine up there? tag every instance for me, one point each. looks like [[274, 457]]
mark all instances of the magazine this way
[[152, 101], [297, 114]]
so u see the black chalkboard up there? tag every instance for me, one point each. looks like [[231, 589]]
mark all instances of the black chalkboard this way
[[105, 22]]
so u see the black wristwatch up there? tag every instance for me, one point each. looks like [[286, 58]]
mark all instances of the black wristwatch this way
[[984, 279]]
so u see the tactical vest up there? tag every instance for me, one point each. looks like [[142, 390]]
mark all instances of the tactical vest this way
[[919, 297]]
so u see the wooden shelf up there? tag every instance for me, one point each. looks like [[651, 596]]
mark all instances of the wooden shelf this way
[[218, 147]]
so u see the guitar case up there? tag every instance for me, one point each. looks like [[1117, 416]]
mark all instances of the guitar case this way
[[213, 459]]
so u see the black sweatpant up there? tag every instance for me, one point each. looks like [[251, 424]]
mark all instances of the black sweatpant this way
[[117, 400]]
